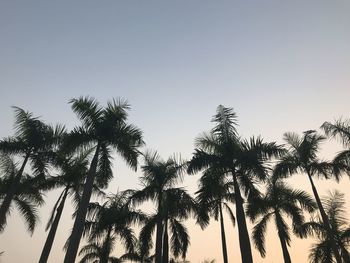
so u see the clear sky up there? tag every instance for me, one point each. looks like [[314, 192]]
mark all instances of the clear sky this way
[[282, 65]]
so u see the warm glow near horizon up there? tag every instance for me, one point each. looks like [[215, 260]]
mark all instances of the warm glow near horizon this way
[[282, 65]]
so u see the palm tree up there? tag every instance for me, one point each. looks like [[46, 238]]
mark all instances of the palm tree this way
[[214, 193], [279, 201], [104, 129], [73, 170], [340, 129], [176, 205], [158, 177], [302, 158], [138, 255], [111, 220], [244, 160], [28, 194], [33, 141], [96, 253], [322, 251]]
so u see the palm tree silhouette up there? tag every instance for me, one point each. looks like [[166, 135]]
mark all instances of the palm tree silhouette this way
[[340, 129], [302, 158], [244, 160], [279, 201], [109, 221], [214, 193], [322, 251], [72, 173], [158, 179], [33, 141], [105, 129], [28, 194]]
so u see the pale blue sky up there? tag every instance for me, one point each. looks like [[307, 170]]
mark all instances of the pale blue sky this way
[[283, 65]]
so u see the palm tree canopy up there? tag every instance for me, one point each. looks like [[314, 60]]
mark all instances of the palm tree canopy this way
[[322, 250], [28, 195], [106, 127], [302, 156], [279, 201]]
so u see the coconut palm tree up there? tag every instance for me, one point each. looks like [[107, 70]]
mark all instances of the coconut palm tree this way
[[111, 220], [33, 141], [72, 173], [322, 251], [158, 177], [244, 160], [104, 129], [176, 205], [28, 194], [215, 192], [340, 129], [302, 158], [279, 201]]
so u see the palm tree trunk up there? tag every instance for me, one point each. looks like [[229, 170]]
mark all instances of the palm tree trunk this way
[[79, 222], [159, 235], [106, 247], [11, 193], [244, 242], [166, 243], [223, 237], [51, 236], [325, 220], [283, 242]]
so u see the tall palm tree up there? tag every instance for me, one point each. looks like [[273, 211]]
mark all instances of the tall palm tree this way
[[72, 172], [111, 220], [104, 129], [214, 194], [28, 194], [33, 141], [244, 160], [279, 201], [340, 129], [322, 251], [302, 158], [158, 176]]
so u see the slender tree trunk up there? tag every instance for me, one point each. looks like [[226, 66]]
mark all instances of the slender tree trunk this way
[[223, 237], [11, 193], [283, 242], [159, 234], [244, 242], [325, 220], [79, 222], [51, 236], [106, 247], [166, 243]]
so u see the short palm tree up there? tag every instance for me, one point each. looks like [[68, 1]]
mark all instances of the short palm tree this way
[[158, 176], [72, 173], [244, 160], [280, 201], [33, 141], [111, 220], [340, 129], [176, 205], [215, 193], [138, 255], [322, 251], [302, 158], [104, 129], [28, 194]]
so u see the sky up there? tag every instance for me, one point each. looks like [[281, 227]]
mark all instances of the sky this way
[[282, 65]]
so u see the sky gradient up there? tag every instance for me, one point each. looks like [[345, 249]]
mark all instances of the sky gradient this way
[[282, 65]]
